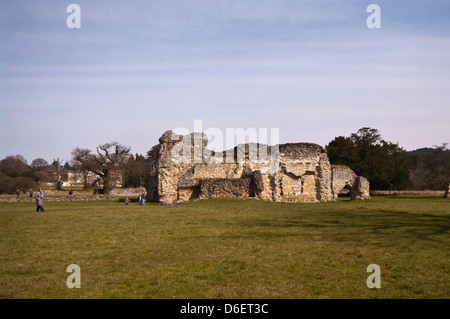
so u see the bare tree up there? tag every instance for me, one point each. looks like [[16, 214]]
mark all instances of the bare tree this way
[[80, 160], [15, 174], [108, 162], [39, 163], [14, 165], [41, 169]]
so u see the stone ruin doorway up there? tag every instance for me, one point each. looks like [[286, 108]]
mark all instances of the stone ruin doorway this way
[[345, 192]]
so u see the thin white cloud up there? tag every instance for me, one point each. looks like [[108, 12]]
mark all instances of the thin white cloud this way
[[163, 64]]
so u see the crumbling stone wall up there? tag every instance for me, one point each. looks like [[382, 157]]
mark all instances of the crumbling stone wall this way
[[360, 189], [345, 178], [225, 188], [130, 191], [182, 169], [66, 198]]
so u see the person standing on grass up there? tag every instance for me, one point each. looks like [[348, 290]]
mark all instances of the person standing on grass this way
[[17, 193], [126, 201], [139, 199], [39, 200], [143, 199], [31, 193]]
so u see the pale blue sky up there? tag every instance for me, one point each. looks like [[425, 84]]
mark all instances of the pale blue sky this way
[[138, 68]]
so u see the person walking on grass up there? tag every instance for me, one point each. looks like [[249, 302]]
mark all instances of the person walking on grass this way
[[39, 200], [17, 193], [31, 193]]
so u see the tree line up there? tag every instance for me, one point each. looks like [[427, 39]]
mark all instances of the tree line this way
[[385, 164], [15, 173], [109, 160]]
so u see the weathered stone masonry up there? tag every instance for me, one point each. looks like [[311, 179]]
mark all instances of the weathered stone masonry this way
[[300, 174]]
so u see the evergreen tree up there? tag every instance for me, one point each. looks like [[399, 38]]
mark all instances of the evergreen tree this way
[[384, 164]]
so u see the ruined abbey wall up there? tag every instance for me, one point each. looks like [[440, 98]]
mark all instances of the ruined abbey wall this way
[[182, 169], [345, 178]]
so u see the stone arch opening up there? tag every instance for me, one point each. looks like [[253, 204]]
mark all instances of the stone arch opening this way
[[345, 191]]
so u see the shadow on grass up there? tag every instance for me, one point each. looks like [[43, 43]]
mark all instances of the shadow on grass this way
[[341, 223]]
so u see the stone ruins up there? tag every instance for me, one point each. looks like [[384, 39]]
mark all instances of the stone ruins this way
[[182, 169]]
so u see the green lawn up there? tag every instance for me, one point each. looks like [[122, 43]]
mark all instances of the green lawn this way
[[227, 249]]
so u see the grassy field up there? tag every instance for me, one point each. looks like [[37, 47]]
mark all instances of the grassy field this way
[[227, 249]]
